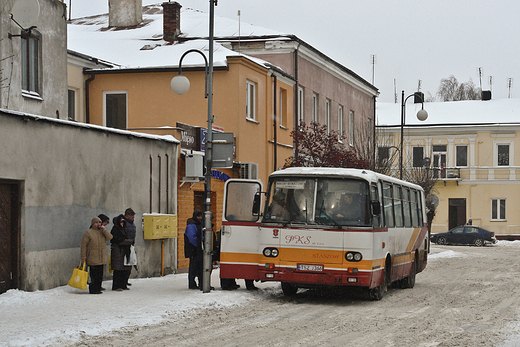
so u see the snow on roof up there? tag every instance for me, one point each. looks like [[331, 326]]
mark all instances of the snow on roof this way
[[167, 138], [452, 112], [143, 46]]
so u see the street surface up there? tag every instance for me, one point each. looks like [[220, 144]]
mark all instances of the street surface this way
[[467, 296]]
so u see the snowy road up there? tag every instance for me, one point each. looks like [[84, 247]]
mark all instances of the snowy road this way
[[467, 296]]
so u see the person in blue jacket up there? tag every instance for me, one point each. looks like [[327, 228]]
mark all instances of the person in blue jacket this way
[[193, 249]]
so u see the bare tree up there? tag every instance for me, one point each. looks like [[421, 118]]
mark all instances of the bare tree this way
[[451, 90], [317, 147]]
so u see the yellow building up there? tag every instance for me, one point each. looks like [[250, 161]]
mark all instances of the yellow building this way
[[472, 148], [251, 99]]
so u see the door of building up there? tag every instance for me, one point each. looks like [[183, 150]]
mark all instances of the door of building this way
[[10, 235], [457, 213]]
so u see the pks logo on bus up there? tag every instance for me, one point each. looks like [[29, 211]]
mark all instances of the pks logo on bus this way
[[275, 232]]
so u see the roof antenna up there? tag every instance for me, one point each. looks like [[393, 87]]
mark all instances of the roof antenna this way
[[373, 68], [480, 76], [238, 31]]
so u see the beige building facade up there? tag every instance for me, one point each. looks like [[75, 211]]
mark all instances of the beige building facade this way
[[476, 162]]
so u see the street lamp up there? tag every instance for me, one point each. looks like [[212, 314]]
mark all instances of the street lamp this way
[[422, 115], [180, 85]]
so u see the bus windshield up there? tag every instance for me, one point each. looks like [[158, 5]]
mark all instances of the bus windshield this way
[[317, 201]]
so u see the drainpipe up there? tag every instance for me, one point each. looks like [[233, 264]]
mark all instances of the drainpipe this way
[[159, 190], [151, 172], [87, 97], [167, 183], [274, 125], [295, 101], [374, 142]]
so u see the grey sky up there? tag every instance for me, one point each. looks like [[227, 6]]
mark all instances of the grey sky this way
[[412, 39]]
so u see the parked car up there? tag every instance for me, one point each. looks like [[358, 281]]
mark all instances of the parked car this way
[[466, 234]]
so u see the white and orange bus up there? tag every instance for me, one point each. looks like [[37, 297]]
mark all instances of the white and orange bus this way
[[325, 226]]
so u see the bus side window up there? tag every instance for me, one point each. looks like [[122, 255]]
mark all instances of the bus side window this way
[[374, 196], [388, 206], [415, 209], [406, 208], [398, 206]]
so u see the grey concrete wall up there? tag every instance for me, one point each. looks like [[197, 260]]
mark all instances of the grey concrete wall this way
[[52, 26], [71, 172]]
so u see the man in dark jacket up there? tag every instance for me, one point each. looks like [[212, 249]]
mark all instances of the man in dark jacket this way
[[193, 249], [119, 250], [130, 234]]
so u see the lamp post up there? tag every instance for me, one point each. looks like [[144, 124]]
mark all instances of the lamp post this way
[[180, 85], [422, 115]]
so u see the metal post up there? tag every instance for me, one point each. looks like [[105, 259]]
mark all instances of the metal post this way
[[208, 232], [402, 136], [422, 115]]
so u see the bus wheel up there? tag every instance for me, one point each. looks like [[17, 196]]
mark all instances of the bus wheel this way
[[378, 292], [409, 281], [289, 289]]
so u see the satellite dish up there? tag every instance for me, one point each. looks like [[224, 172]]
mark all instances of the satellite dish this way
[[26, 12]]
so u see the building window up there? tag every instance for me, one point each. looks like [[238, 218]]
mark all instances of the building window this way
[[340, 122], [327, 115], [498, 209], [30, 52], [315, 108], [116, 110], [283, 108], [251, 100], [461, 156], [418, 156], [383, 155], [502, 155], [72, 104], [300, 105], [351, 128]]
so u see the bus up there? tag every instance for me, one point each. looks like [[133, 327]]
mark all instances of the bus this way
[[324, 227]]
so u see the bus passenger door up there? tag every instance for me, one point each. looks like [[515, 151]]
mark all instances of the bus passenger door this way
[[240, 229]]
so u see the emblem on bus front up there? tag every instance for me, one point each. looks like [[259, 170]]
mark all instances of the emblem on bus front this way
[[275, 232]]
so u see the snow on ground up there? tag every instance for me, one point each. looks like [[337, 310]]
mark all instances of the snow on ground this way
[[63, 315]]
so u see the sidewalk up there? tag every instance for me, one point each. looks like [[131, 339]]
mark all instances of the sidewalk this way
[[64, 314]]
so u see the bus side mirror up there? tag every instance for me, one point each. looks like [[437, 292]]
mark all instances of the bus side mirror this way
[[256, 205], [376, 208]]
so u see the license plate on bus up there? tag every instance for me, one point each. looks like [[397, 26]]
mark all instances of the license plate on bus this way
[[309, 267]]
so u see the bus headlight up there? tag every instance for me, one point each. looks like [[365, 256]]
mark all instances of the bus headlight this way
[[353, 256], [270, 252]]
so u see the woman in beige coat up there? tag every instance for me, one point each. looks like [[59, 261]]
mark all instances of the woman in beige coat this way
[[94, 252]]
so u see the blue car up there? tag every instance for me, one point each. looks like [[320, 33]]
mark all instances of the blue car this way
[[465, 235]]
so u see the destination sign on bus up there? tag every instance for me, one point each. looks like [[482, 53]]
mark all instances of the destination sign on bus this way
[[290, 184]]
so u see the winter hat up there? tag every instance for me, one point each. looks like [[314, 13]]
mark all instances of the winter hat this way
[[104, 218], [95, 220]]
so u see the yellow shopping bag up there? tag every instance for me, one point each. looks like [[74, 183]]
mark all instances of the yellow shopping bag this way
[[79, 277]]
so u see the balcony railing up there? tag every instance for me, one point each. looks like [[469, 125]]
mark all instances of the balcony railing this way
[[472, 173]]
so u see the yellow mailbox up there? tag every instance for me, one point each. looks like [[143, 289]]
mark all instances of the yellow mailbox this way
[[159, 226]]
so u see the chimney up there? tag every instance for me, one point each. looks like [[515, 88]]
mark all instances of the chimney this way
[[125, 13], [171, 20]]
